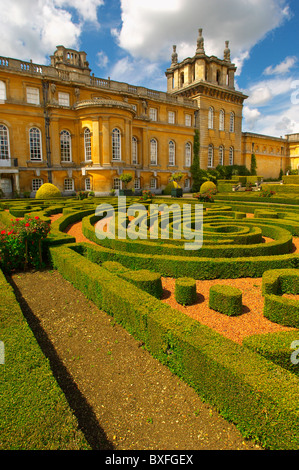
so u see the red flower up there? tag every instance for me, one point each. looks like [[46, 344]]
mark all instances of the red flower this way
[[27, 225], [36, 217], [3, 232]]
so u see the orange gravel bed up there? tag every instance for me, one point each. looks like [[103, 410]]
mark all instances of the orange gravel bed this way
[[250, 322]]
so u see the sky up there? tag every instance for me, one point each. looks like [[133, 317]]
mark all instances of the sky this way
[[131, 41]]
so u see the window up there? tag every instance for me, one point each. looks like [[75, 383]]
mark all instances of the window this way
[[137, 183], [87, 184], [2, 91], [87, 144], [187, 183], [221, 155], [36, 184], [35, 144], [65, 146], [188, 154], [153, 114], [221, 120], [32, 95], [231, 155], [171, 117], [188, 120], [134, 151], [116, 183], [210, 156], [171, 153], [232, 122], [211, 118], [153, 183], [154, 152], [69, 184], [4, 143], [116, 145], [63, 99]]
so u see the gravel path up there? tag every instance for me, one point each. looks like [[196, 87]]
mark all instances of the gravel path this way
[[124, 399]]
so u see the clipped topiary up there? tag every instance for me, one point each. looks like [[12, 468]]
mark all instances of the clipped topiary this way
[[47, 191], [207, 186], [226, 299], [185, 291]]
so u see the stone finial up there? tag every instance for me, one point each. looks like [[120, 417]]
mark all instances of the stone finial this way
[[227, 51], [174, 56], [200, 43]]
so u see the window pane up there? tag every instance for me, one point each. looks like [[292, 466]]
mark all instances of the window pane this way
[[171, 117], [153, 114], [2, 91], [36, 184], [116, 144], [153, 183], [32, 95], [63, 99], [221, 120], [221, 155], [154, 152], [188, 154], [87, 144], [87, 184], [68, 184], [211, 118], [188, 120], [116, 183], [232, 123], [210, 156], [35, 144], [231, 156], [65, 146], [4, 143], [171, 154], [134, 151]]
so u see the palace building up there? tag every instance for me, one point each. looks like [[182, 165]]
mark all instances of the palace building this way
[[61, 124]]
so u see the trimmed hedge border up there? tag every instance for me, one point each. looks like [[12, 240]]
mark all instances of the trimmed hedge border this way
[[31, 400], [225, 299], [241, 384]]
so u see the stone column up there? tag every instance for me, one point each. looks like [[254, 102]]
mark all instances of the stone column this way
[[95, 141], [106, 157]]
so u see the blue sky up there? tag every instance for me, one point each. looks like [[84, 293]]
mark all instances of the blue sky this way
[[131, 41]]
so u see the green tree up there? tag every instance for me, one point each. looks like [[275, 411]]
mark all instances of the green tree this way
[[195, 167], [253, 165]]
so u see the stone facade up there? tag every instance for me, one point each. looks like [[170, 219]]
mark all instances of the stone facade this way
[[60, 124]]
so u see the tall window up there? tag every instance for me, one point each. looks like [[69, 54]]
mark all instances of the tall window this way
[[4, 143], [188, 154], [87, 184], [231, 155], [35, 144], [154, 151], [32, 95], [116, 183], [153, 183], [2, 91], [210, 156], [153, 114], [232, 122], [137, 183], [134, 151], [188, 120], [87, 144], [65, 146], [211, 118], [171, 117], [221, 155], [116, 145], [221, 120], [171, 153]]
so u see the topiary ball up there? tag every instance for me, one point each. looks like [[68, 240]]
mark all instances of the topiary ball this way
[[47, 191], [207, 186]]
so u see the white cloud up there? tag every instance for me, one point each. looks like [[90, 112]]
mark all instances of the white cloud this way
[[261, 93], [149, 31], [31, 29], [102, 59], [138, 71], [251, 116], [282, 68]]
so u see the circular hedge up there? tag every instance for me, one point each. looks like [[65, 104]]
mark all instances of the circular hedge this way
[[47, 191], [207, 186], [185, 291]]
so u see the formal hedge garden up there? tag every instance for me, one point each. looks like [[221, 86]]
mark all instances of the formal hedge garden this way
[[254, 384]]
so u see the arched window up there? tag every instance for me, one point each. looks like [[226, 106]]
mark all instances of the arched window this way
[[231, 155], [232, 122], [188, 154], [2, 91], [35, 144], [116, 144], [4, 143], [87, 144], [65, 146], [134, 151], [221, 155], [211, 118], [171, 153], [154, 151], [210, 156], [221, 120]]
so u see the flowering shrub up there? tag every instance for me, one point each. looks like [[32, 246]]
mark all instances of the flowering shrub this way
[[266, 193], [20, 246], [207, 196], [146, 196]]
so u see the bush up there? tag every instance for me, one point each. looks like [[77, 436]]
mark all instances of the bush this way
[[207, 186], [226, 299], [185, 291], [47, 191]]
